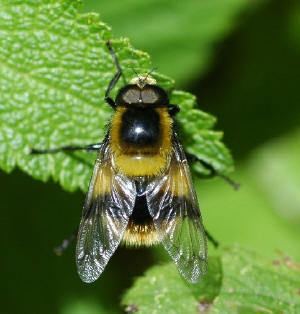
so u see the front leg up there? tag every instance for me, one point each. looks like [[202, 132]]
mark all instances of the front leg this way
[[115, 78], [70, 148], [212, 171]]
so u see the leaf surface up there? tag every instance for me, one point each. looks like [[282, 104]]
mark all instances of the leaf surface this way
[[241, 282], [55, 68]]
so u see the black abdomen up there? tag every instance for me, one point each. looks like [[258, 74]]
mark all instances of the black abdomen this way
[[140, 127], [140, 215]]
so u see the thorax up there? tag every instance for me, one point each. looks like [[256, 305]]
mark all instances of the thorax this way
[[141, 140]]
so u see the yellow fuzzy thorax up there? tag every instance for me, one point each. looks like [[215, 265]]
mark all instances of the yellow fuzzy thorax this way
[[149, 161]]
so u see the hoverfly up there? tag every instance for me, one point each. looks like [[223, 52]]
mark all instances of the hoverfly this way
[[141, 192]]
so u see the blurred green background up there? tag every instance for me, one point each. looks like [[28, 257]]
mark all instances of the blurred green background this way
[[242, 60]]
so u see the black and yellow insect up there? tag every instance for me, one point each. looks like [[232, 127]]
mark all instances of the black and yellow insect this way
[[141, 192]]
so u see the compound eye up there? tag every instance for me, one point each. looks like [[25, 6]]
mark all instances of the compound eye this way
[[149, 96], [131, 96]]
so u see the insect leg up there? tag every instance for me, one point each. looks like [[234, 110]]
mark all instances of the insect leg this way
[[70, 148], [213, 171], [115, 78], [58, 250], [210, 238], [173, 109]]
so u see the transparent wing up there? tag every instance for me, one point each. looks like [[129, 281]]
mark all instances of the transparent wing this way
[[109, 203], [173, 204]]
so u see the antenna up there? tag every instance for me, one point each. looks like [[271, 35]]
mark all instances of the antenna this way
[[148, 73], [134, 71]]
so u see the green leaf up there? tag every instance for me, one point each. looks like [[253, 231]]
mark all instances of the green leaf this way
[[162, 290], [55, 68], [198, 136], [276, 169], [184, 34], [242, 283], [252, 284]]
